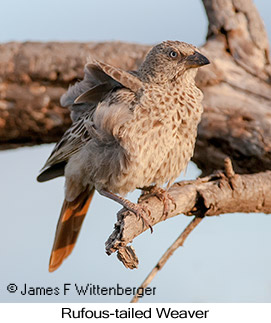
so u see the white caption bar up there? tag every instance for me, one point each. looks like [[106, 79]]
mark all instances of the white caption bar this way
[[61, 312]]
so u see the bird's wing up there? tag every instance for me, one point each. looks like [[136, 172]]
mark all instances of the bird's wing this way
[[127, 79], [99, 81], [71, 142]]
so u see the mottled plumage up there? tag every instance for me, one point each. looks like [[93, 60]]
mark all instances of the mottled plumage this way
[[130, 130]]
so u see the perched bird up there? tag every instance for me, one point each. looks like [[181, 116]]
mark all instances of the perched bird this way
[[130, 130]]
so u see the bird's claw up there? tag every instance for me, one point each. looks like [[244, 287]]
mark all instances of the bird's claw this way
[[142, 212], [164, 197], [141, 209], [137, 209]]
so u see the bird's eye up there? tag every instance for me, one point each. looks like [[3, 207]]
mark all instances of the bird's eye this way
[[173, 54]]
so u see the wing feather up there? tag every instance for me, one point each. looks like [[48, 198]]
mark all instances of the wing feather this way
[[71, 142], [100, 81]]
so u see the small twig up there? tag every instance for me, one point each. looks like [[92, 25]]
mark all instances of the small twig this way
[[229, 168], [234, 179], [176, 244]]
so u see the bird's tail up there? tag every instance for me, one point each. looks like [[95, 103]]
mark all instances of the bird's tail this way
[[68, 227]]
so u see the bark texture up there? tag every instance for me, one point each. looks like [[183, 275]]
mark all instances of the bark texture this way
[[33, 76], [216, 194], [236, 86], [237, 90]]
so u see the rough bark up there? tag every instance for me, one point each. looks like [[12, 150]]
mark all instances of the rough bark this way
[[33, 76], [212, 195], [237, 90], [236, 86]]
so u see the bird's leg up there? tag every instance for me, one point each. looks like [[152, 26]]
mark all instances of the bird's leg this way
[[162, 195], [140, 210]]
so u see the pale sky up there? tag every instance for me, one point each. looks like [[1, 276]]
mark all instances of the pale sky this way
[[226, 259]]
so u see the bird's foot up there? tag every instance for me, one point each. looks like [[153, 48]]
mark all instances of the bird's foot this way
[[163, 196], [141, 211]]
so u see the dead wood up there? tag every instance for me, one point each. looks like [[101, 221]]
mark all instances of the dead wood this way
[[237, 90], [220, 193], [236, 86], [33, 76]]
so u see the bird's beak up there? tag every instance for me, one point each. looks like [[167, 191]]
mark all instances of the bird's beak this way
[[196, 60]]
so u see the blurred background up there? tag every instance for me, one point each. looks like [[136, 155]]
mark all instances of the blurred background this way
[[226, 258]]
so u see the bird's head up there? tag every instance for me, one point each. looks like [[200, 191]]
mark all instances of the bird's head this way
[[169, 60]]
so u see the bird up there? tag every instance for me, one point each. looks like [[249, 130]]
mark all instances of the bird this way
[[130, 130]]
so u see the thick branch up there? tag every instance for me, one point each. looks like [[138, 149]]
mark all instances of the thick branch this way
[[236, 86], [237, 91], [245, 35], [33, 76], [213, 195]]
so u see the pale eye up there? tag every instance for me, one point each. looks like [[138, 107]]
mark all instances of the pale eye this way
[[173, 54]]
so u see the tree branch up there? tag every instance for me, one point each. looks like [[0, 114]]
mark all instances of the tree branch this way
[[245, 36], [236, 86], [33, 76], [213, 195], [237, 91]]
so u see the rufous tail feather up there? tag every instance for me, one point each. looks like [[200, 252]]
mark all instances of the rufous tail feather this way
[[68, 227]]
